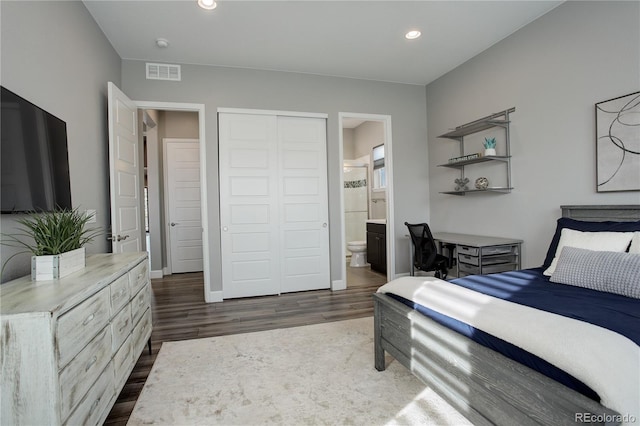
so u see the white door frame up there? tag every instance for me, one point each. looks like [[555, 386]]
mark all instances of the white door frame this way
[[209, 296], [388, 163]]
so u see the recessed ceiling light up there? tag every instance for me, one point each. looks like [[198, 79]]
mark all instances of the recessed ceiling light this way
[[207, 4], [412, 35]]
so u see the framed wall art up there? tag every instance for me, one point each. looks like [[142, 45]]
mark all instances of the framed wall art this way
[[618, 144]]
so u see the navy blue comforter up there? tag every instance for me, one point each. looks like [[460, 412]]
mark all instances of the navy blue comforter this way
[[530, 287]]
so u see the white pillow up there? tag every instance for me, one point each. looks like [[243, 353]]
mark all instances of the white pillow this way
[[600, 241], [635, 244]]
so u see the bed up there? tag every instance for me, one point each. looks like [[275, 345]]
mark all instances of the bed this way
[[482, 381]]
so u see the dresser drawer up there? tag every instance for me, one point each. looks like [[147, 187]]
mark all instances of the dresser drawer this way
[[123, 363], [142, 332], [121, 327], [120, 293], [140, 303], [78, 326], [83, 370], [93, 409], [139, 276]]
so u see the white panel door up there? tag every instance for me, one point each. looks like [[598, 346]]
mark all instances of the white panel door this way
[[125, 172], [248, 205], [303, 203], [182, 160]]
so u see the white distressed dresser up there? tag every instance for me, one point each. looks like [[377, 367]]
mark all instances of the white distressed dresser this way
[[69, 345]]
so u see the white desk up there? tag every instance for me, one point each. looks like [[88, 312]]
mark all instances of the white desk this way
[[478, 254]]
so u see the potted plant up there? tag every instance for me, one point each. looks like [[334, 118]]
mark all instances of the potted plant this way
[[489, 146], [56, 241]]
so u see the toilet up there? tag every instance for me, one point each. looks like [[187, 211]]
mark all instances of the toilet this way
[[358, 251]]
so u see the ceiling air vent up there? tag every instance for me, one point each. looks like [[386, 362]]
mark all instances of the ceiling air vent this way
[[163, 72]]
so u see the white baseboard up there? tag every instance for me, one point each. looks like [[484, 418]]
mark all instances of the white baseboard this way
[[338, 285], [213, 296], [156, 274]]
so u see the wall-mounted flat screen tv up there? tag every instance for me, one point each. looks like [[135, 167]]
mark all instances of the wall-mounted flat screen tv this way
[[34, 159]]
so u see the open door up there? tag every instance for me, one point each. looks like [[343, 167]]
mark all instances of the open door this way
[[125, 142]]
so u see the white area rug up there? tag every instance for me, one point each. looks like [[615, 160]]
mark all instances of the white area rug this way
[[318, 374]]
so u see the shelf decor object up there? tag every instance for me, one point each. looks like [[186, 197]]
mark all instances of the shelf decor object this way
[[482, 183], [489, 146], [618, 144], [499, 120], [461, 184]]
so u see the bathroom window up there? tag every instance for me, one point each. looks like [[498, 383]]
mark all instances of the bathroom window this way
[[379, 171]]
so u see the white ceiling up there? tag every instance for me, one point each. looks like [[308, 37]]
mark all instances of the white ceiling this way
[[358, 39]]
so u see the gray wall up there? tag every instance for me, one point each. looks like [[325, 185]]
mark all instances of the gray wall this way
[[553, 71], [240, 88], [54, 55]]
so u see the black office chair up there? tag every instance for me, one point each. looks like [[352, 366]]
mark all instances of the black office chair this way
[[425, 254]]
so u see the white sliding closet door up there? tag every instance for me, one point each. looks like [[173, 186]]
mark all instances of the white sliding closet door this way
[[249, 205], [273, 204], [303, 204]]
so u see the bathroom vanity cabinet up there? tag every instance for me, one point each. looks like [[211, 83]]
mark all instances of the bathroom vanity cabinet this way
[[377, 246]]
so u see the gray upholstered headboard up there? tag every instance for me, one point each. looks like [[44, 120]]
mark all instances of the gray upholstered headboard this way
[[599, 213]]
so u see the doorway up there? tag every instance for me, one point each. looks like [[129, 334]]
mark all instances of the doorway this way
[[366, 198], [157, 196]]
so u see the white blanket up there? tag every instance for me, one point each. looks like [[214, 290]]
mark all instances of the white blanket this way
[[607, 362]]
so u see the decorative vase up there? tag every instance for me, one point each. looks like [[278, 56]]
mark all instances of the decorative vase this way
[[57, 266], [489, 151]]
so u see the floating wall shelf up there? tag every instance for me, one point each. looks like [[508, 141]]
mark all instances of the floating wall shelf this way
[[499, 120]]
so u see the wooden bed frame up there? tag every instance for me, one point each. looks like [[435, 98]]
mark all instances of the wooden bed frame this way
[[483, 385]]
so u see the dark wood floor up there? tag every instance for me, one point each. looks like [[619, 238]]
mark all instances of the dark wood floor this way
[[180, 313]]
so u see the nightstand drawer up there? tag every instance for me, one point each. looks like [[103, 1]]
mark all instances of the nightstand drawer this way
[[77, 327]]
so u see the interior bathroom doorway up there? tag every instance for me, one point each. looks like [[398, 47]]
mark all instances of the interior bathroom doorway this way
[[366, 199]]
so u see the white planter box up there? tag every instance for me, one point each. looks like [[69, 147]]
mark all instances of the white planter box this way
[[57, 266]]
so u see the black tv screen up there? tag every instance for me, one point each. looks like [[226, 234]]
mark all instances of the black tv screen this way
[[34, 160]]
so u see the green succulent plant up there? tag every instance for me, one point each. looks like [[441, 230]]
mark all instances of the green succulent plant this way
[[489, 143]]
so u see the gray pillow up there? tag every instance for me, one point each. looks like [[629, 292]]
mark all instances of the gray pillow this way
[[608, 271]]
